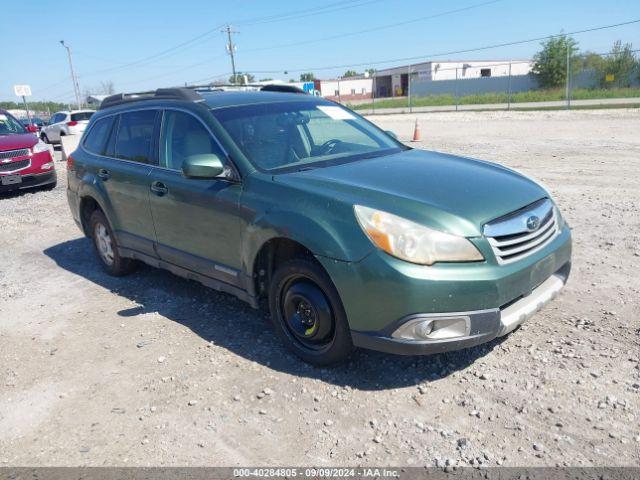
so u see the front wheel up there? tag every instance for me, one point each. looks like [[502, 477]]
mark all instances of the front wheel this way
[[44, 138], [308, 315]]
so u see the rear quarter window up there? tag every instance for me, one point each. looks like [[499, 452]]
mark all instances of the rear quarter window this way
[[96, 141], [77, 117]]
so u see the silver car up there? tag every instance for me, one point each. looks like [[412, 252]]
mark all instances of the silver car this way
[[62, 123]]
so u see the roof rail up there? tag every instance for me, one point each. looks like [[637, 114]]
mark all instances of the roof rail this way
[[270, 87], [278, 87], [185, 94]]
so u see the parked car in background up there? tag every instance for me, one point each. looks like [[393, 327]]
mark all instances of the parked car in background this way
[[35, 121], [25, 160], [65, 123], [352, 238]]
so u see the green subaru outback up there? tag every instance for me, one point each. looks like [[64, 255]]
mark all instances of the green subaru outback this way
[[352, 238]]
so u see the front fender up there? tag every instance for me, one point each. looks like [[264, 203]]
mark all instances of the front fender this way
[[321, 238]]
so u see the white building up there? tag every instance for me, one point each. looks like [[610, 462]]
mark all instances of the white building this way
[[392, 82], [345, 89]]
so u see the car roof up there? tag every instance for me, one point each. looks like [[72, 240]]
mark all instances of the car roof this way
[[240, 98]]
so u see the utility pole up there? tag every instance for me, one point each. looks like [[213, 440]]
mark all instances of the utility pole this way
[[231, 50], [76, 87]]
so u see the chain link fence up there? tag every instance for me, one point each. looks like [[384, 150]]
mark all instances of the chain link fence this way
[[453, 86]]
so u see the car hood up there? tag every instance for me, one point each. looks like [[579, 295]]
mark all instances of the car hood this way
[[17, 141], [452, 194]]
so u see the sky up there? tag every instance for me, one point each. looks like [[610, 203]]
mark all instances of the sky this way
[[142, 44]]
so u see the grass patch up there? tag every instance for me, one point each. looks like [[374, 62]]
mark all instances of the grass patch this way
[[502, 97]]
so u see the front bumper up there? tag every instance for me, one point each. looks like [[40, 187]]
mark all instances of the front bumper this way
[[31, 180], [483, 325], [381, 293]]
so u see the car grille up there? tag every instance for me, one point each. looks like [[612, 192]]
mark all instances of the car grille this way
[[523, 232], [14, 166], [14, 153]]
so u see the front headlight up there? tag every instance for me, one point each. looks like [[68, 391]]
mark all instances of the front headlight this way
[[40, 147], [412, 242]]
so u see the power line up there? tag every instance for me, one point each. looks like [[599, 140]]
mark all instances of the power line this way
[[330, 8], [156, 55], [168, 74], [208, 78], [375, 29], [453, 52], [172, 50]]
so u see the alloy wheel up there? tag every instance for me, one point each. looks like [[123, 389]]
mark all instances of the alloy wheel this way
[[104, 243]]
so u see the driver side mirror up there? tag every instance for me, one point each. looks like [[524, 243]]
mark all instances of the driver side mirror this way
[[206, 165]]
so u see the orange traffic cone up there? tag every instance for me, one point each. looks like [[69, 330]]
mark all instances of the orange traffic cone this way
[[416, 132]]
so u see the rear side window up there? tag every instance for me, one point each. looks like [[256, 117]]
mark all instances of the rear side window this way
[[96, 141], [135, 136], [78, 117]]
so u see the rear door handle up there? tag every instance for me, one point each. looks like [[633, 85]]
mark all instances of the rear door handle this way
[[104, 174], [159, 188]]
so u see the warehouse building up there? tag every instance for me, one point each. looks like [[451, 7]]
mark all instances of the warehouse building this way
[[393, 82]]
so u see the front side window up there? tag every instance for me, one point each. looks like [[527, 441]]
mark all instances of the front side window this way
[[135, 135], [183, 136], [9, 125], [300, 134], [96, 141]]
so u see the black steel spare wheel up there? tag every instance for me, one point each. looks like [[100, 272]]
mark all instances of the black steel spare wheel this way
[[307, 313]]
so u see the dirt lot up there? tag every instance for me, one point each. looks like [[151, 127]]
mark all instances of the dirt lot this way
[[155, 370]]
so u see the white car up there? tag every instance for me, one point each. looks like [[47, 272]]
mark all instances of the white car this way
[[65, 123]]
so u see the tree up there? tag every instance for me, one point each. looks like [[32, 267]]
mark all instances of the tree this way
[[550, 64], [371, 71], [239, 78], [350, 73], [38, 106], [617, 67], [266, 79], [307, 77], [591, 61], [107, 87]]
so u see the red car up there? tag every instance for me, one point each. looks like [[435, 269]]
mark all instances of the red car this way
[[25, 161]]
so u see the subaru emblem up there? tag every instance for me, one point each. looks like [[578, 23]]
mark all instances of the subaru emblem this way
[[533, 223]]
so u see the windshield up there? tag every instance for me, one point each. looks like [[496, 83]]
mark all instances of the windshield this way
[[9, 125], [297, 135], [77, 117]]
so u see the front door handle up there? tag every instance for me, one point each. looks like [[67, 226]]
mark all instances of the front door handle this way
[[104, 174], [159, 188]]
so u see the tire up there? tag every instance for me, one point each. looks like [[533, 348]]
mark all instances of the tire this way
[[106, 247], [308, 315], [44, 138]]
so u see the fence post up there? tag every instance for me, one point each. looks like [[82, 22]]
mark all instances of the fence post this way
[[409, 87], [373, 94], [509, 89], [568, 80], [456, 89]]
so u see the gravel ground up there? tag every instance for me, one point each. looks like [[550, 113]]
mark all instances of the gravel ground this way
[[152, 369]]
